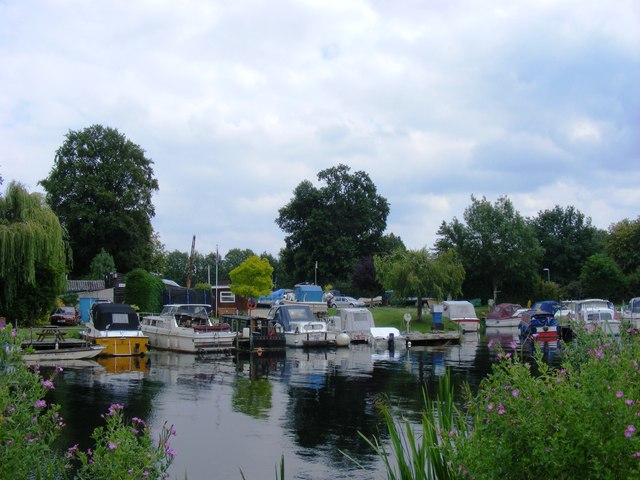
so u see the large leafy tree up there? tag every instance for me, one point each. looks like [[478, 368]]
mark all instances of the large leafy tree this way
[[176, 264], [421, 274], [568, 239], [335, 225], [601, 277], [231, 260], [498, 249], [34, 255], [623, 244], [100, 187]]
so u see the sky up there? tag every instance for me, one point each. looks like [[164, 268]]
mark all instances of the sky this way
[[237, 102]]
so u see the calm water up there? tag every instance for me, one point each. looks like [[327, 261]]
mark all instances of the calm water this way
[[241, 414]]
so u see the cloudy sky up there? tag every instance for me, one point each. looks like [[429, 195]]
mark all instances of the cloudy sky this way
[[237, 102]]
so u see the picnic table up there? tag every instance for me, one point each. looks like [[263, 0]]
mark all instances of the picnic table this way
[[51, 331]]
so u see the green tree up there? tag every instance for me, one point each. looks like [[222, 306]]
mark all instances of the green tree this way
[[34, 255], [101, 265], [568, 239], [601, 277], [100, 187], [336, 225], [175, 266], [144, 290], [418, 273], [498, 249], [622, 244], [231, 260], [252, 278]]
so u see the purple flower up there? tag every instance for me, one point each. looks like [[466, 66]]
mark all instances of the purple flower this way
[[515, 393], [629, 402], [490, 344], [619, 394], [489, 407], [40, 404], [9, 443], [170, 452], [72, 450], [114, 408], [112, 446], [636, 455], [500, 409], [48, 384], [513, 344], [629, 431]]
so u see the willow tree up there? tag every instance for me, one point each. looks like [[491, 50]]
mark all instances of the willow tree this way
[[33, 255], [418, 273]]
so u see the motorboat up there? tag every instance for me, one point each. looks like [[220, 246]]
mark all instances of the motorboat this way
[[539, 325], [354, 322], [597, 313], [504, 315], [39, 352], [462, 313], [300, 326], [187, 328], [116, 326], [631, 312]]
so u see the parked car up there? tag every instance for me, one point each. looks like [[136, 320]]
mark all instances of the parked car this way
[[66, 316], [345, 302]]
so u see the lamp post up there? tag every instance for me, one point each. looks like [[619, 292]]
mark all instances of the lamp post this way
[[548, 274]]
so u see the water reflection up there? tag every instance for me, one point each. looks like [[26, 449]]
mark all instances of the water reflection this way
[[241, 413]]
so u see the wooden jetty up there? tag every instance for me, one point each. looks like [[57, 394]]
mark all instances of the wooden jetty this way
[[433, 337]]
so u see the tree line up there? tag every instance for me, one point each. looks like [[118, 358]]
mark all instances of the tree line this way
[[95, 218]]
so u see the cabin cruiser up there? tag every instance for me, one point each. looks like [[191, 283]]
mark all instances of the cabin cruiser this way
[[116, 326], [300, 326], [187, 328], [596, 313]]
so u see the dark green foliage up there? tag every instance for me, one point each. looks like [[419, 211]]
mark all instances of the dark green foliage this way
[[623, 244], [101, 265], [335, 225], [100, 187], [144, 290], [498, 249], [601, 277], [568, 239]]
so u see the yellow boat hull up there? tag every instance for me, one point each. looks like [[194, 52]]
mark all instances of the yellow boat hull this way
[[123, 346]]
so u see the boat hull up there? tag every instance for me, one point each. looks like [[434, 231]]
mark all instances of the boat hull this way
[[124, 346], [502, 322], [191, 343], [468, 325], [311, 339], [74, 353]]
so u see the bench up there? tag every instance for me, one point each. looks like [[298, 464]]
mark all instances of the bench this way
[[51, 331]]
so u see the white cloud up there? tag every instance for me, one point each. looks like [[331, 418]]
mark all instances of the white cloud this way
[[238, 102]]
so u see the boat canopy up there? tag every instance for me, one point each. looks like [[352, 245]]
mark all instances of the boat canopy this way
[[306, 292], [285, 314], [504, 310], [459, 309], [114, 316], [355, 320]]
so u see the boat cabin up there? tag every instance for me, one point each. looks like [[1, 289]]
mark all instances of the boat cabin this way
[[114, 316]]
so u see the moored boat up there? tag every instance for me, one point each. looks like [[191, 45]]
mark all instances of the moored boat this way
[[187, 328], [301, 328], [631, 312], [116, 327], [504, 315], [59, 352], [597, 313], [539, 325], [462, 314]]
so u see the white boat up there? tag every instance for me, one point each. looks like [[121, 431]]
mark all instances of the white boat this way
[[187, 328], [631, 312], [463, 314], [301, 328], [61, 353], [355, 322], [596, 313], [504, 315], [116, 327]]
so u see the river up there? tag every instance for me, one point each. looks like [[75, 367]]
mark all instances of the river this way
[[238, 415]]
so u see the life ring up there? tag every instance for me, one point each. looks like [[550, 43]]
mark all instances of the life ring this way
[[259, 351], [252, 304]]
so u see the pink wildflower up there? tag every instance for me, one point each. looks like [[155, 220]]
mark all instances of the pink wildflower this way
[[490, 344], [489, 407], [40, 404], [515, 393], [500, 409], [71, 450], [48, 384], [112, 446], [619, 394], [629, 431], [629, 402], [513, 344]]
